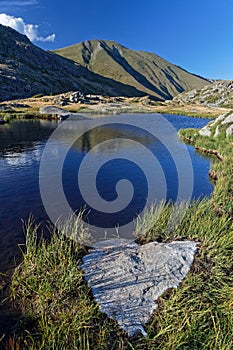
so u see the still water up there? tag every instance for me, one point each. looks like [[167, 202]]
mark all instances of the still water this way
[[21, 147]]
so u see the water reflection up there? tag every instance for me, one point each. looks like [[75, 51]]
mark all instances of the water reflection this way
[[21, 135]]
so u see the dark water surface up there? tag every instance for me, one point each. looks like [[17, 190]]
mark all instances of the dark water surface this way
[[21, 147]]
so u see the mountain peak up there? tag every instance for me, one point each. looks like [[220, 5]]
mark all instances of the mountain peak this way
[[146, 71], [93, 66]]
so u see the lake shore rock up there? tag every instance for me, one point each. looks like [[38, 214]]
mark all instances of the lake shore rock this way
[[61, 113], [127, 279], [224, 123]]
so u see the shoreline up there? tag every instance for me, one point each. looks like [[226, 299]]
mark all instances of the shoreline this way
[[100, 106]]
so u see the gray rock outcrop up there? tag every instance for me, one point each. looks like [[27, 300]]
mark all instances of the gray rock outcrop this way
[[76, 97], [220, 118], [216, 131], [61, 113], [229, 130], [205, 131], [228, 119], [217, 126], [218, 94], [127, 279], [53, 110]]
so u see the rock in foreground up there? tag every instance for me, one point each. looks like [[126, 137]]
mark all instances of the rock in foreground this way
[[127, 279]]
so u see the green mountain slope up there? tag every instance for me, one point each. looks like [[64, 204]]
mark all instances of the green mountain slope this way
[[26, 70], [145, 71]]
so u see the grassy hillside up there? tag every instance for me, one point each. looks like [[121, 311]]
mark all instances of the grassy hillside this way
[[26, 70], [145, 71]]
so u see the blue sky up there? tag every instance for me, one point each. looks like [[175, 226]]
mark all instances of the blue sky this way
[[196, 35]]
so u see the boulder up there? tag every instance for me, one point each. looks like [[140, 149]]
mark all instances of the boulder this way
[[206, 131], [61, 113], [216, 131], [220, 118], [229, 130], [52, 110], [6, 108], [127, 279], [2, 122], [76, 96], [228, 119]]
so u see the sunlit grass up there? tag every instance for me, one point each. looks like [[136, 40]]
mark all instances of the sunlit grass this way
[[60, 312], [222, 197]]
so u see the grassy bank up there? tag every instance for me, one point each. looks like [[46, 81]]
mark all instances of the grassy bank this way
[[221, 170], [23, 114], [60, 313]]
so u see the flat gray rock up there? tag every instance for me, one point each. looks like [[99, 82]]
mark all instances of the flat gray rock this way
[[62, 113], [53, 110], [127, 279]]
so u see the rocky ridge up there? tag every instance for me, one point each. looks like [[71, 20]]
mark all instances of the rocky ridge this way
[[218, 94]]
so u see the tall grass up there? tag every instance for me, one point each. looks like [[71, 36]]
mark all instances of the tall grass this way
[[222, 197], [59, 311], [58, 306]]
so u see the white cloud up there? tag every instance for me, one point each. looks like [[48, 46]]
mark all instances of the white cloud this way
[[31, 30]]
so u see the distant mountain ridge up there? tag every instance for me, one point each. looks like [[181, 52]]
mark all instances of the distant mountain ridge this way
[[26, 70], [96, 67], [147, 72]]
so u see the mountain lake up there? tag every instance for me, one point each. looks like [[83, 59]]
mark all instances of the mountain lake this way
[[21, 146]]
